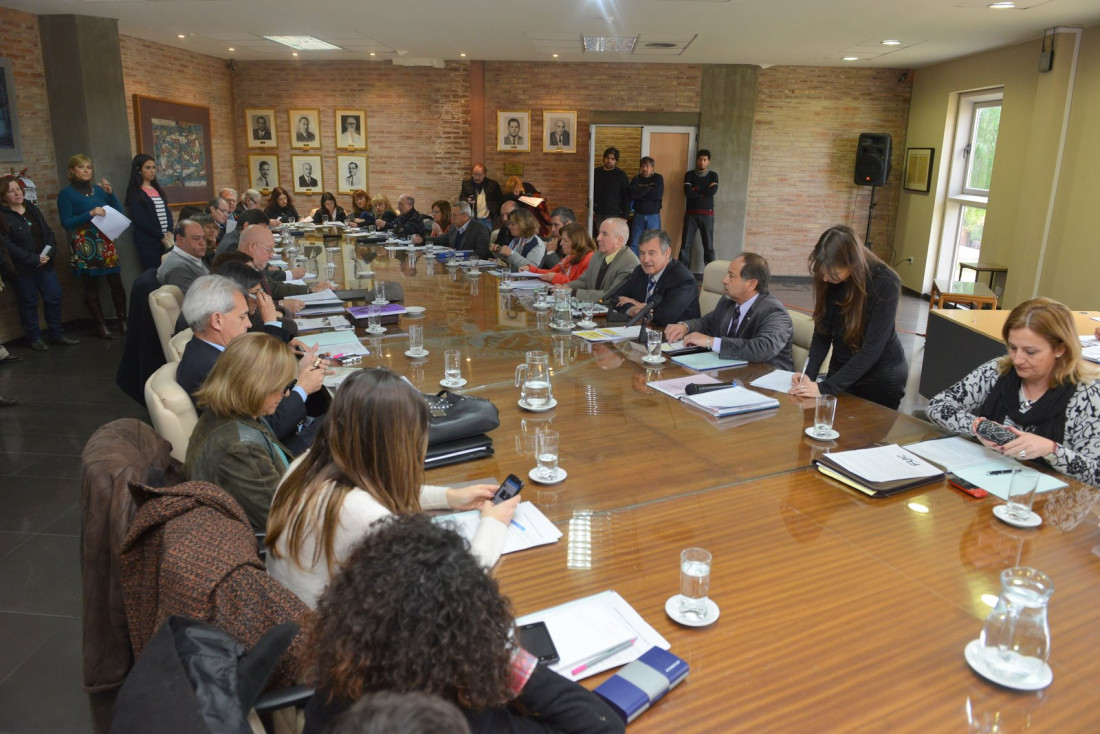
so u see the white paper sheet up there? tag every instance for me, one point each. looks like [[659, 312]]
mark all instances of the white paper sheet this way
[[779, 380], [954, 452], [608, 334], [529, 527], [676, 387], [327, 297], [884, 464], [113, 222]]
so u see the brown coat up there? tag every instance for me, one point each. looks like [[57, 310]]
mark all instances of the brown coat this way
[[191, 551]]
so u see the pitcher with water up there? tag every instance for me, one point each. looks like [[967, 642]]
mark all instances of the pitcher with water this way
[[1015, 641], [533, 379], [563, 314]]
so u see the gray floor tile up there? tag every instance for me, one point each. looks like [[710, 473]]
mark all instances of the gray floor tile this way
[[13, 463], [20, 636], [42, 576], [67, 524], [11, 541], [45, 694], [57, 467], [29, 504]]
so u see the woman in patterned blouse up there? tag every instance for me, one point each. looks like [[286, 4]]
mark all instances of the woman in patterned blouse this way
[[1042, 391]]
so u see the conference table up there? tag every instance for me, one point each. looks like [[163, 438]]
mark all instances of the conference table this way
[[839, 612]]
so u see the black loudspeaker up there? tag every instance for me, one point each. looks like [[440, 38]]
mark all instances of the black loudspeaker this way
[[873, 159]]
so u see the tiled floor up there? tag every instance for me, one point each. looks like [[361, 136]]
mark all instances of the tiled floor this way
[[65, 394]]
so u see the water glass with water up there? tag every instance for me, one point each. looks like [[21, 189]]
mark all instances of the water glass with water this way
[[694, 582], [416, 339], [824, 413], [546, 454], [1021, 493], [330, 271], [374, 318], [1016, 636], [380, 293], [452, 365], [587, 308], [653, 338], [506, 279]]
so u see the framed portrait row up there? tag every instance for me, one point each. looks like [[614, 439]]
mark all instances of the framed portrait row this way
[[305, 129], [307, 173], [559, 131]]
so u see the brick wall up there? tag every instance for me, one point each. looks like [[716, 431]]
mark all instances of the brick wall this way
[[808, 120]]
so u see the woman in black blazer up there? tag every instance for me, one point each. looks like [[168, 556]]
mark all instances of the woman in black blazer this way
[[149, 211]]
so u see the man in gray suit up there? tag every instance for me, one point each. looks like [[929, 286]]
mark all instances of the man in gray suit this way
[[748, 323], [609, 265], [465, 233], [183, 265]]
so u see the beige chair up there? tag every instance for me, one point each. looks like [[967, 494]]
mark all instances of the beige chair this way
[[803, 333], [713, 290], [165, 304], [174, 415], [177, 344]]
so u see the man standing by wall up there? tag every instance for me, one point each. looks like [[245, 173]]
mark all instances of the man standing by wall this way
[[700, 185], [610, 190], [647, 190], [483, 194]]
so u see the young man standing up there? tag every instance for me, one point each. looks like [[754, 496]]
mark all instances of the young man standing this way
[[610, 190], [700, 186], [647, 189]]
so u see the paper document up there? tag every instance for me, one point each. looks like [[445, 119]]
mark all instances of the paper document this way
[[326, 296], [339, 323], [276, 262], [46, 251], [112, 223], [531, 200], [334, 342], [321, 309], [884, 464], [527, 285], [973, 462], [520, 274], [1090, 348], [609, 334], [731, 401], [583, 628], [230, 225], [779, 380], [677, 387], [702, 361], [529, 527]]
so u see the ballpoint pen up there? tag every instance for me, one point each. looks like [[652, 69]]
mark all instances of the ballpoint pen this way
[[1000, 471], [601, 656]]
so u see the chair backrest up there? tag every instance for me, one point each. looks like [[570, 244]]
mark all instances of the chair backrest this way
[[170, 407], [177, 344], [165, 303], [803, 333], [713, 290]]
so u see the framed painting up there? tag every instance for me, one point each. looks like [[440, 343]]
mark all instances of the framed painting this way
[[263, 172], [351, 173], [514, 131], [11, 147], [559, 131], [351, 129], [260, 127], [305, 129], [918, 169], [177, 136], [307, 174]]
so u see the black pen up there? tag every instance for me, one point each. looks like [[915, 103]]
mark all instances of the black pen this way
[[1000, 471]]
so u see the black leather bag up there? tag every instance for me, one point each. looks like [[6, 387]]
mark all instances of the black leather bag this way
[[459, 416]]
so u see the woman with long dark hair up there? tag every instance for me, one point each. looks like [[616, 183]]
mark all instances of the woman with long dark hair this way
[[92, 254], [280, 206], [856, 298], [329, 208], [148, 205]]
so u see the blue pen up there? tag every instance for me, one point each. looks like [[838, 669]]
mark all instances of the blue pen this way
[[519, 526]]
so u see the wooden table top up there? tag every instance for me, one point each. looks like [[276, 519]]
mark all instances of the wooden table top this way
[[838, 612], [990, 322]]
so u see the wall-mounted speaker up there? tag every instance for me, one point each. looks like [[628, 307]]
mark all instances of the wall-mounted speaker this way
[[872, 159]]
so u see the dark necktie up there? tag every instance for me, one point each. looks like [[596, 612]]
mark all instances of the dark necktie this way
[[458, 239], [649, 289], [733, 320], [601, 274]]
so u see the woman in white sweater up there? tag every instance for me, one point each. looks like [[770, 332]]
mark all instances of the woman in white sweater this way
[[366, 462]]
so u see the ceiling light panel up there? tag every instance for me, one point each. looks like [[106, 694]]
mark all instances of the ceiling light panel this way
[[609, 44], [304, 43], [984, 4], [654, 45]]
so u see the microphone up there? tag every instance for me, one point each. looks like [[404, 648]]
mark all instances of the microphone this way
[[695, 389], [645, 312]]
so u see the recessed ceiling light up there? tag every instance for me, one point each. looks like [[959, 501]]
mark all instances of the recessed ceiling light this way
[[850, 58], [372, 53], [293, 53], [610, 44], [555, 56], [232, 49], [462, 55], [1002, 5], [180, 35], [891, 42], [304, 43]]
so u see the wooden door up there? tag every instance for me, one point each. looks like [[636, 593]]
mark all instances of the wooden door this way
[[671, 154]]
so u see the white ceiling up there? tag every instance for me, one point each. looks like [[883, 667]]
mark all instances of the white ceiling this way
[[762, 32]]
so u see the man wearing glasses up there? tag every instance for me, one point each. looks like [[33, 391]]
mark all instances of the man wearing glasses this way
[[219, 209]]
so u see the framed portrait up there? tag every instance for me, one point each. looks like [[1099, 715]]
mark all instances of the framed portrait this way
[[351, 129], [307, 174], [351, 172], [559, 131], [918, 169], [263, 172], [177, 136], [305, 129], [260, 128], [11, 147], [514, 131]]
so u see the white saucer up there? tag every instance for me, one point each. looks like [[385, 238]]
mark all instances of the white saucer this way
[[533, 475], [1036, 682], [475, 273], [562, 328], [1033, 520], [375, 330], [830, 436], [376, 302], [364, 273], [505, 287], [653, 360], [415, 310], [549, 406], [586, 324], [455, 383], [541, 307], [672, 609], [416, 355]]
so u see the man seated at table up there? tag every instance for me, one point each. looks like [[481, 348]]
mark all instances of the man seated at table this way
[[503, 236], [408, 222], [465, 233], [749, 323], [259, 244], [217, 312], [248, 218], [184, 263], [658, 278], [560, 217], [611, 264]]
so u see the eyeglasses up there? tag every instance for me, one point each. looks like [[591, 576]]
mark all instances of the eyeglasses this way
[[224, 211], [289, 387]]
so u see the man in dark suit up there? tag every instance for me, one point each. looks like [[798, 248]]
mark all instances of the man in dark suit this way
[[216, 310], [409, 221], [483, 195], [306, 180], [465, 233], [559, 136], [261, 131], [658, 276], [748, 323]]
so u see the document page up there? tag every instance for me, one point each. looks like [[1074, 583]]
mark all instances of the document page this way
[[884, 464], [954, 452], [608, 334], [779, 380], [529, 527], [677, 387], [113, 222], [735, 397], [327, 296]]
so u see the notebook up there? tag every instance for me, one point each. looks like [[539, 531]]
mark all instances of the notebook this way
[[703, 361]]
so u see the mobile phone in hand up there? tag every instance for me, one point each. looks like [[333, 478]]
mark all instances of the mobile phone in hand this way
[[995, 432], [508, 489]]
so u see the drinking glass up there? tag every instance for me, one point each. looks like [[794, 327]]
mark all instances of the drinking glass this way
[[653, 339], [1015, 639], [374, 318], [380, 293], [587, 308], [416, 339], [324, 218], [546, 454], [824, 413], [330, 272], [694, 582], [506, 279], [1021, 493], [452, 365]]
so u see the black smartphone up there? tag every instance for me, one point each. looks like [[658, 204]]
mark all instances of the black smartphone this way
[[508, 489], [971, 489], [535, 639], [995, 432]]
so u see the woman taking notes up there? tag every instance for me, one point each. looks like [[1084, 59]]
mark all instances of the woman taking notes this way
[[855, 302], [576, 252], [1042, 391], [367, 462]]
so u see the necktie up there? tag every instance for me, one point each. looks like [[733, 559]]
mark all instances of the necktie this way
[[458, 239], [733, 319], [649, 289], [601, 273]]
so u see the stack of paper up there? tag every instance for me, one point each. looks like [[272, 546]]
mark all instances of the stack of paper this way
[[529, 527], [1090, 348], [332, 323], [609, 334], [976, 464], [880, 471], [320, 303], [730, 401], [390, 309], [677, 387], [334, 342]]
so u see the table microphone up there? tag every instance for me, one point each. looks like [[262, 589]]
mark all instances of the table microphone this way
[[695, 388]]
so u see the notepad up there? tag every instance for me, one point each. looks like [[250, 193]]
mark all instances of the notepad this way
[[973, 462], [530, 527], [880, 471], [731, 401], [704, 361], [677, 386]]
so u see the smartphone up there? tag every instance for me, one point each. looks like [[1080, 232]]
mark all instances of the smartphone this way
[[535, 639], [995, 432], [508, 489], [971, 489]]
